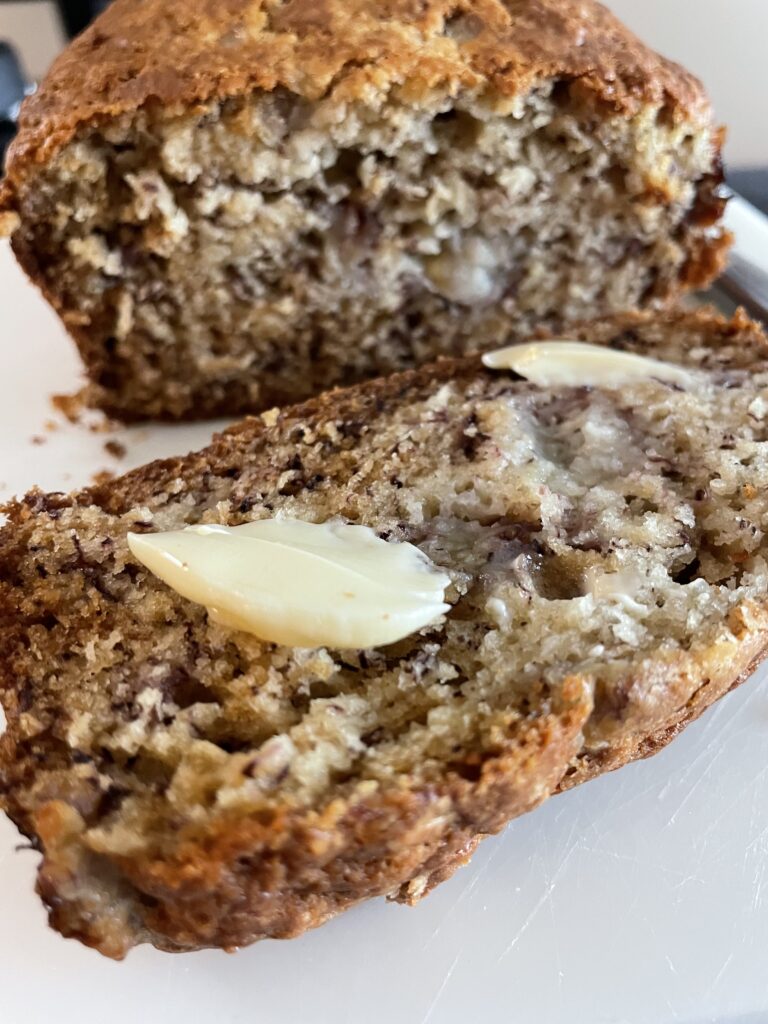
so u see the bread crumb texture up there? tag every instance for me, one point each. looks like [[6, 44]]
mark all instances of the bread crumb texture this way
[[246, 203], [191, 786]]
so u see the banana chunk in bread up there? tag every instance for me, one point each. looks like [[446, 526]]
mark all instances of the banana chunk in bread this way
[[235, 205], [189, 785]]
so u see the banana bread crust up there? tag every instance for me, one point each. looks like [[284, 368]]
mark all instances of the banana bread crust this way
[[143, 52]]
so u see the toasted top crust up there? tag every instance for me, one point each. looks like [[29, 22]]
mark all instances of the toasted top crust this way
[[143, 53]]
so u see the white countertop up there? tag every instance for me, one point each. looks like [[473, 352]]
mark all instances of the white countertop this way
[[641, 898]]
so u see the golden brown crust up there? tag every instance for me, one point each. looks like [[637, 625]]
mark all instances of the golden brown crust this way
[[351, 852], [151, 53], [687, 696], [228, 890]]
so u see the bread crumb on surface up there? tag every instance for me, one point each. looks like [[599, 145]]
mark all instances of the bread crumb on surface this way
[[70, 406], [115, 448], [78, 410], [103, 476]]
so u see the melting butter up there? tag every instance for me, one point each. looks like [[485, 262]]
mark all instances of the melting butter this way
[[300, 584], [578, 364]]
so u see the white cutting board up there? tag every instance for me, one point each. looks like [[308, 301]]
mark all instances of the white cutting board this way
[[641, 898]]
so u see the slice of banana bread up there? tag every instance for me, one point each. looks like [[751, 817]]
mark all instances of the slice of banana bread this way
[[189, 785], [237, 204]]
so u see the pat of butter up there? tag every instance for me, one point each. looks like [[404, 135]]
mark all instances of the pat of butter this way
[[300, 584], [578, 364]]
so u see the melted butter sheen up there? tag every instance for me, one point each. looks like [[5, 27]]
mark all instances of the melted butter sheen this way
[[578, 364], [299, 584]]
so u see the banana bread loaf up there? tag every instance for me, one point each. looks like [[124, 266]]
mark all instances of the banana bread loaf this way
[[189, 785], [237, 203]]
